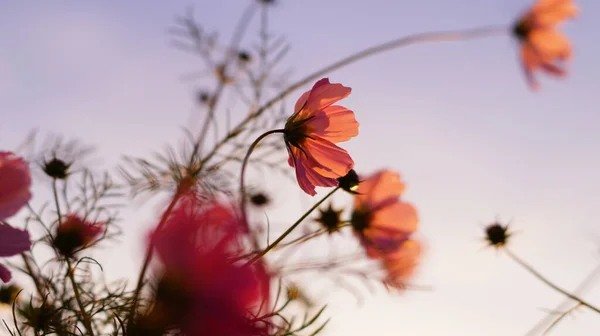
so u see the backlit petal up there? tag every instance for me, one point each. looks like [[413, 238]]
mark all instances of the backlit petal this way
[[335, 123]]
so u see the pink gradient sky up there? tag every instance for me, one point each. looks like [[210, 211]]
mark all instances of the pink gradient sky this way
[[456, 119]]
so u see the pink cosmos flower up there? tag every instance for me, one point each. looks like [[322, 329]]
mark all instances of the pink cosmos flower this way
[[12, 241], [201, 291], [15, 184], [385, 225], [74, 234], [312, 132]]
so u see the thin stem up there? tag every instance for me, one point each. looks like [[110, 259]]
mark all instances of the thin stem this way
[[243, 173], [291, 228], [235, 41], [87, 321], [547, 282], [32, 275], [148, 257], [461, 35], [584, 285]]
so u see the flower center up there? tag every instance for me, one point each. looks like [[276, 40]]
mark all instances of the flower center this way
[[295, 131], [522, 29], [360, 219]]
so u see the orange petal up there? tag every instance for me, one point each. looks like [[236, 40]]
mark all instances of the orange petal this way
[[322, 95], [306, 175], [552, 12], [401, 264], [549, 45], [335, 123], [396, 218], [330, 160], [379, 188]]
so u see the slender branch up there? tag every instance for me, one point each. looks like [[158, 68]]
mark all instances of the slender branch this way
[[585, 284], [390, 45], [291, 228], [547, 282]]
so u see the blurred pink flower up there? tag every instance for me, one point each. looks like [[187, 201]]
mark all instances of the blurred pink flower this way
[[201, 291], [542, 47], [74, 234], [15, 184], [385, 225], [12, 241], [312, 131]]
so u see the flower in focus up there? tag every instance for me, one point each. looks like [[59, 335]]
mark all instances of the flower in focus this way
[[12, 241], [200, 287], [542, 47], [311, 133], [385, 225], [15, 184], [497, 234], [74, 234]]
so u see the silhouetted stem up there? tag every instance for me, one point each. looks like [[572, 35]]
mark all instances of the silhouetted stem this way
[[460, 35], [243, 172], [547, 282], [291, 228], [87, 321]]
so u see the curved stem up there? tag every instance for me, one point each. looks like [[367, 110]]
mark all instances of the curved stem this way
[[291, 228], [148, 257], [243, 173], [460, 35], [547, 282]]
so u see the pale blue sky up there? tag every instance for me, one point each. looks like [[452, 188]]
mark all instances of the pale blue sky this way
[[456, 119]]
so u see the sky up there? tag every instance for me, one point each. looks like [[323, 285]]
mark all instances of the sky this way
[[456, 119]]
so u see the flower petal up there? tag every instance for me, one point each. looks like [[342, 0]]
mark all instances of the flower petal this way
[[322, 95], [401, 264], [379, 189], [335, 123], [396, 219], [13, 241], [329, 160], [308, 178], [552, 12], [15, 182], [5, 275]]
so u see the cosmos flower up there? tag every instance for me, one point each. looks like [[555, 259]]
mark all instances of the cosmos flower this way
[[542, 47], [312, 132], [385, 225], [15, 184], [74, 234], [200, 287]]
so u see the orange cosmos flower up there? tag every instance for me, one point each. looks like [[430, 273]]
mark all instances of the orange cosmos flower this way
[[542, 47], [312, 131], [385, 225]]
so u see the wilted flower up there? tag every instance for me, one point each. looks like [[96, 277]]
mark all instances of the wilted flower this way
[[497, 234], [542, 47], [312, 131], [385, 225], [56, 168], [330, 219], [200, 287], [12, 241], [15, 184], [74, 234]]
